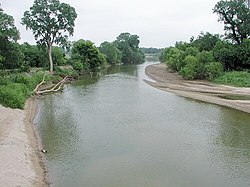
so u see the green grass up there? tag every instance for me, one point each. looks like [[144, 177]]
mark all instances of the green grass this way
[[16, 88], [234, 78]]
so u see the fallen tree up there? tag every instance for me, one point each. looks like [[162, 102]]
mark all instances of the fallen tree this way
[[55, 88]]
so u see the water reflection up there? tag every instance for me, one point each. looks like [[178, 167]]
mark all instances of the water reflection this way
[[232, 143], [115, 130]]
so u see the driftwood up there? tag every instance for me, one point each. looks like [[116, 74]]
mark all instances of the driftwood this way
[[42, 82], [55, 88]]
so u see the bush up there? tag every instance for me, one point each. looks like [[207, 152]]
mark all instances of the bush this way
[[213, 70], [234, 78], [78, 66], [23, 79], [190, 71], [13, 95]]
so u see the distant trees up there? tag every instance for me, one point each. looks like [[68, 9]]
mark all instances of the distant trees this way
[[86, 56], [129, 46], [208, 55], [51, 23], [150, 50], [112, 54]]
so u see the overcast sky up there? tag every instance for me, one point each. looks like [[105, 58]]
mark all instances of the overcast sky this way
[[158, 23]]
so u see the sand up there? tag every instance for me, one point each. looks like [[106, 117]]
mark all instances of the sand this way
[[20, 156], [200, 90]]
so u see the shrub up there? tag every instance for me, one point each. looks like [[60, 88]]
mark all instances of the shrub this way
[[234, 78], [190, 71], [13, 95], [78, 66], [23, 79], [213, 70]]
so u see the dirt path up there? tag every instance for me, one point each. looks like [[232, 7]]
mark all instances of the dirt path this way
[[20, 157], [199, 90]]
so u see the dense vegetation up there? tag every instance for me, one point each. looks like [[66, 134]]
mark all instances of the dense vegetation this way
[[210, 55], [51, 23], [125, 49]]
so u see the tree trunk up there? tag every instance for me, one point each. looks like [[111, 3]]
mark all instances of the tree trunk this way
[[50, 57]]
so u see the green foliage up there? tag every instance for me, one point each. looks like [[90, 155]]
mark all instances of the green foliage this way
[[236, 18], [13, 95], [233, 57], [86, 53], [12, 57], [51, 22], [34, 56], [129, 47], [62, 72], [8, 29], [190, 70], [111, 53], [205, 41], [182, 45], [234, 78], [15, 88], [58, 56], [150, 50], [78, 66], [213, 70], [205, 57]]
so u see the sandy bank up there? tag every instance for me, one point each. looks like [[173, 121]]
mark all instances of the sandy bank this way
[[199, 90], [20, 158]]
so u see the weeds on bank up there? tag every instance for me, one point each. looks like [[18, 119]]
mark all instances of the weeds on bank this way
[[234, 78]]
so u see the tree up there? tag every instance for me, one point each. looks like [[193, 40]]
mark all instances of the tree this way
[[235, 15], [88, 55], [8, 29], [112, 54], [129, 46], [10, 54], [205, 41], [51, 22]]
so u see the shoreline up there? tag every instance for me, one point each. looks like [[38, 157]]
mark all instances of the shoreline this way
[[21, 159], [198, 89]]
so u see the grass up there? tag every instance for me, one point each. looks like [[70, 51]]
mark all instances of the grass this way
[[16, 88], [234, 78]]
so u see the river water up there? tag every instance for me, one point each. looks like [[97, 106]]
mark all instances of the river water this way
[[117, 131]]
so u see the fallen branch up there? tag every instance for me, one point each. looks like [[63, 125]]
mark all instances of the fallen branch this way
[[42, 82], [56, 88]]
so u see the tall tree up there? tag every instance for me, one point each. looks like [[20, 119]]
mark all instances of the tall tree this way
[[88, 55], [112, 54], [51, 22], [235, 15], [129, 46], [10, 55]]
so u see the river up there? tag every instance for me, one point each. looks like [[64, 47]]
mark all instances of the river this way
[[117, 131]]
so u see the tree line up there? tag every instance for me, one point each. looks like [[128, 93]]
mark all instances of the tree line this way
[[209, 55], [51, 23]]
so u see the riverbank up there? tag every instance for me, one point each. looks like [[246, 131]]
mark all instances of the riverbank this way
[[199, 90], [21, 160]]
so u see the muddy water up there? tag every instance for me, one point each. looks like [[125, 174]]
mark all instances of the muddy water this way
[[117, 131]]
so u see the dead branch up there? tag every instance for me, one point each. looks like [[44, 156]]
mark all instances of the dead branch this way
[[56, 88], [42, 82]]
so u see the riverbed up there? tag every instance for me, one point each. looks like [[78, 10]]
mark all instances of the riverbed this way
[[116, 130]]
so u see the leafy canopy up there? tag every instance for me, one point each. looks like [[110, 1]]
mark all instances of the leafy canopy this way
[[235, 14], [50, 21], [8, 29]]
